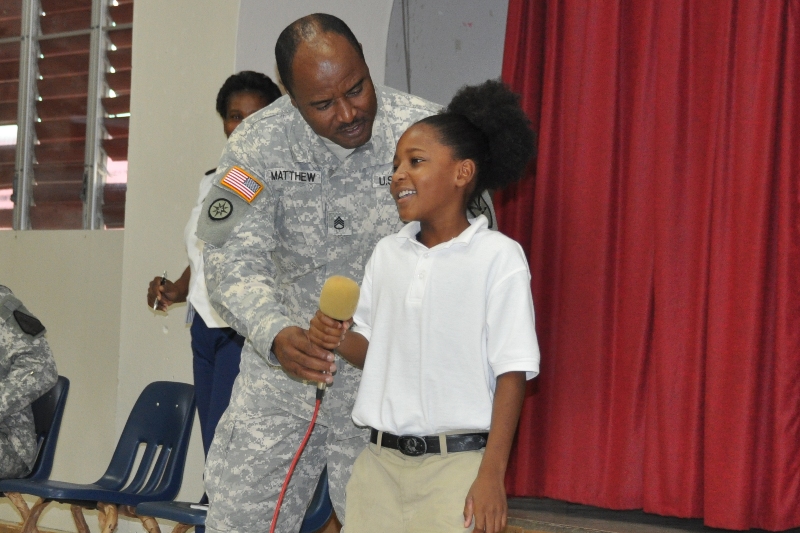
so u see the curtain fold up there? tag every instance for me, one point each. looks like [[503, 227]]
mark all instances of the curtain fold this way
[[661, 225]]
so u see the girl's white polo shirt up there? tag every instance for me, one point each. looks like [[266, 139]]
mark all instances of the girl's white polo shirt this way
[[442, 323]]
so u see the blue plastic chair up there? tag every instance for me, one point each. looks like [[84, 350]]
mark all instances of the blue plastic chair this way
[[161, 423], [317, 514], [180, 512], [48, 410], [47, 413], [321, 508]]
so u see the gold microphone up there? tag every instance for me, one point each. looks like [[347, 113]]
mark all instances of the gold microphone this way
[[338, 300]]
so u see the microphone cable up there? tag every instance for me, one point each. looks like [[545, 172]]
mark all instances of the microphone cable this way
[[320, 394], [338, 299]]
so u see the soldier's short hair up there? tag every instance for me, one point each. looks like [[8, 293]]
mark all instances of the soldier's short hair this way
[[305, 29]]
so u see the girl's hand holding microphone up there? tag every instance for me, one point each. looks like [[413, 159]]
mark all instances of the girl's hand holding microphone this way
[[327, 332]]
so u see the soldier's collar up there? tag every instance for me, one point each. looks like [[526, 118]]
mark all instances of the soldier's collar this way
[[382, 141], [304, 144]]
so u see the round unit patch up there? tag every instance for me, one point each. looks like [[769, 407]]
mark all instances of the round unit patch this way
[[220, 209]]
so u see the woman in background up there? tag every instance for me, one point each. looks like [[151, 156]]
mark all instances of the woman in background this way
[[216, 348]]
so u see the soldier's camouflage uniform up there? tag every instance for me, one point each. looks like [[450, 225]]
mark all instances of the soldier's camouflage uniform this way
[[27, 370], [265, 262]]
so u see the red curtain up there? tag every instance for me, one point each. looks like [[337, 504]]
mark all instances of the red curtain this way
[[662, 227]]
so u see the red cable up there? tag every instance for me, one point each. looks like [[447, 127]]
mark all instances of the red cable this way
[[293, 465]]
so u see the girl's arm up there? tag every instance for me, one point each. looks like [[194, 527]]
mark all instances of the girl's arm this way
[[331, 335], [486, 499]]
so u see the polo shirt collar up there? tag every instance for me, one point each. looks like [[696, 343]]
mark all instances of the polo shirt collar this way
[[308, 147], [410, 230]]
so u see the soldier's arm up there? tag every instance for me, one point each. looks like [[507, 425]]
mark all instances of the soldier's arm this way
[[240, 277], [33, 369], [237, 227]]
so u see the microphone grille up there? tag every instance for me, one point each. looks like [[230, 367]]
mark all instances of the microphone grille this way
[[339, 297]]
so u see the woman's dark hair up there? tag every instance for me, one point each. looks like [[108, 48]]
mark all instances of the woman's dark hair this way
[[486, 124], [305, 29], [246, 81]]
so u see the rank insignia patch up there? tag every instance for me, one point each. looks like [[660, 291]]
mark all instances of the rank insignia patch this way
[[220, 209], [338, 224], [242, 183]]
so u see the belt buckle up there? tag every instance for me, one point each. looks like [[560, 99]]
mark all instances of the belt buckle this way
[[412, 446]]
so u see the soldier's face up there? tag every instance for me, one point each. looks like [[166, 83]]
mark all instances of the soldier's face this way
[[333, 91]]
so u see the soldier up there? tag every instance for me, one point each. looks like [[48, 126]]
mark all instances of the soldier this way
[[27, 370], [302, 193]]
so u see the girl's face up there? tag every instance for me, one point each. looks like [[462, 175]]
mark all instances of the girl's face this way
[[425, 184], [240, 106]]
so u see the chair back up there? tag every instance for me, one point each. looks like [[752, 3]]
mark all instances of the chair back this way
[[160, 424], [47, 412]]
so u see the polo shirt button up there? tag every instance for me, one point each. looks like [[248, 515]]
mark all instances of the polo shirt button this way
[[425, 256], [421, 275]]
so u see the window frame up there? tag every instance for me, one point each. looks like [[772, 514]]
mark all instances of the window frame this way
[[94, 166]]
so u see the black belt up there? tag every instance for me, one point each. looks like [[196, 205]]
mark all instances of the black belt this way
[[415, 446]]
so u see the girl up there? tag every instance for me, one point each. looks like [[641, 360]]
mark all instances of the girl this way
[[444, 329]]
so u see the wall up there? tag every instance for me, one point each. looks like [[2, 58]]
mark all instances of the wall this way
[[89, 287], [183, 50], [451, 43], [261, 22], [70, 280]]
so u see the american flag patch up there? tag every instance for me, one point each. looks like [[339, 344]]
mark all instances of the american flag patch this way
[[239, 181]]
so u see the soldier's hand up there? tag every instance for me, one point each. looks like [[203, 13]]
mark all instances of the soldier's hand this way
[[301, 358]]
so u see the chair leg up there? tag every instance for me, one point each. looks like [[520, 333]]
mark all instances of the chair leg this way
[[107, 517], [150, 524], [20, 503], [79, 519], [29, 526]]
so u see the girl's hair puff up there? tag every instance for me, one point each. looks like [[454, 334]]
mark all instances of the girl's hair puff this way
[[486, 124]]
